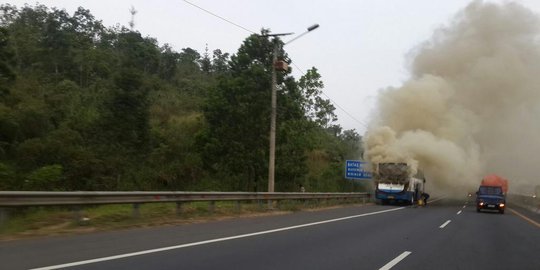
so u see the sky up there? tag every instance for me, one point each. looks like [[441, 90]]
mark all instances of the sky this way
[[360, 48]]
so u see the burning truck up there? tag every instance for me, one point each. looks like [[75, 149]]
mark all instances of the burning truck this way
[[394, 183]]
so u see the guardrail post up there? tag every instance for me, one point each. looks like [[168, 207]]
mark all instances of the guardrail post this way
[[76, 213], [178, 208], [212, 207], [4, 215], [136, 210], [363, 200], [238, 206]]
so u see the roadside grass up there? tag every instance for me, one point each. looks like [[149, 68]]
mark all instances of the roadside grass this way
[[43, 221]]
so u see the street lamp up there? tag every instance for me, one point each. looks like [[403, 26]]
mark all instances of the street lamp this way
[[272, 157]]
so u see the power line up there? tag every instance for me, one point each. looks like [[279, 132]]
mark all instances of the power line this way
[[217, 16], [335, 103], [301, 71]]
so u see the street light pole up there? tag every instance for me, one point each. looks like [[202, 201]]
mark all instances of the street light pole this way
[[272, 154]]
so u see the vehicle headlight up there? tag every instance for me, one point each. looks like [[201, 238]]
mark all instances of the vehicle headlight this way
[[501, 204]]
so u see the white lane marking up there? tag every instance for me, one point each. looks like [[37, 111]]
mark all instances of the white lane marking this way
[[395, 261], [459, 212], [109, 258], [444, 224], [464, 206], [432, 201]]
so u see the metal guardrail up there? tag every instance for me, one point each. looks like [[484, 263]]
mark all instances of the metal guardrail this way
[[12, 199], [43, 198], [526, 201]]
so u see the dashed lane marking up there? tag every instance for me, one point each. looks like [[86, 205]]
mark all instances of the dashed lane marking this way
[[444, 224], [395, 261]]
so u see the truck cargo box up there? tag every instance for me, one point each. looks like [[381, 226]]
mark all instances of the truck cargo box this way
[[495, 180]]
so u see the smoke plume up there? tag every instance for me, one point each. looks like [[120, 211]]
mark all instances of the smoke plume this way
[[472, 104]]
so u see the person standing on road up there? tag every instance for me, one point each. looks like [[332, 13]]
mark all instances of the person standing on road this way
[[425, 197]]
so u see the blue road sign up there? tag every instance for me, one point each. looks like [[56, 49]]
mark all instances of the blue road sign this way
[[356, 169]]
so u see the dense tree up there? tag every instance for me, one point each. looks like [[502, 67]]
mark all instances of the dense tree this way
[[168, 63], [219, 62], [86, 107], [7, 74], [238, 111], [237, 127]]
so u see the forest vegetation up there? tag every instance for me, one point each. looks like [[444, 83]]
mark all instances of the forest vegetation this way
[[89, 107]]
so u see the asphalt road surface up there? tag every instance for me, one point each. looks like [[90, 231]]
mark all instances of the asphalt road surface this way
[[445, 234]]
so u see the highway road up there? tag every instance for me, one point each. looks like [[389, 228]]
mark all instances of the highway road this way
[[446, 234]]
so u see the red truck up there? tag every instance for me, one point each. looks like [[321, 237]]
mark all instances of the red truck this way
[[491, 194]]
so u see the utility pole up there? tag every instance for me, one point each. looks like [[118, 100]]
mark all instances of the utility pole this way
[[273, 115], [282, 66]]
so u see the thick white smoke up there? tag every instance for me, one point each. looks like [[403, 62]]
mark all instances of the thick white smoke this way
[[472, 105]]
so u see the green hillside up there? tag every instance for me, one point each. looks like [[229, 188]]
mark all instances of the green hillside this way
[[89, 107]]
